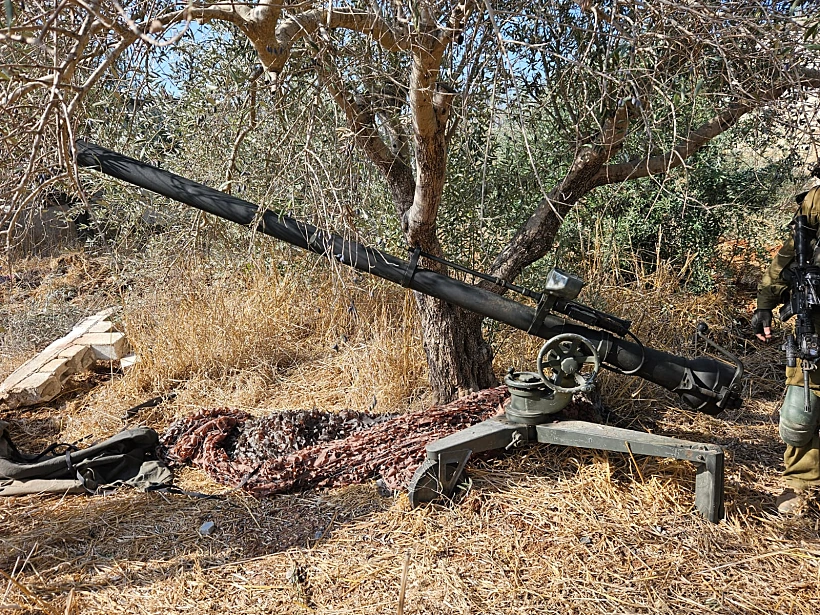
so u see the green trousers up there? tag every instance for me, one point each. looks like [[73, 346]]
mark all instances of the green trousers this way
[[802, 464]]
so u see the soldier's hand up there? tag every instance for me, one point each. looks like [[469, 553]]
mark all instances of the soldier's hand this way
[[762, 324]]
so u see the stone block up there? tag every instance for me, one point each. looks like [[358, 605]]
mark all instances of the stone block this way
[[53, 350], [106, 346], [35, 389], [129, 361], [56, 367], [80, 358], [24, 371], [39, 379], [101, 327]]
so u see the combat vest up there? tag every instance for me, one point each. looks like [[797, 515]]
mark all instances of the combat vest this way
[[774, 286]]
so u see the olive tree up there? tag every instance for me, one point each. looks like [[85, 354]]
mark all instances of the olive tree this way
[[632, 89]]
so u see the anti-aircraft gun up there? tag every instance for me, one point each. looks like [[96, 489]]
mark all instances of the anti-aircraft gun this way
[[568, 362]]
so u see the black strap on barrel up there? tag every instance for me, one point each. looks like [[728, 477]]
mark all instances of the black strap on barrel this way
[[412, 265]]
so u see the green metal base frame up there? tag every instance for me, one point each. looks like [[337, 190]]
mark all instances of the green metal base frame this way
[[440, 474]]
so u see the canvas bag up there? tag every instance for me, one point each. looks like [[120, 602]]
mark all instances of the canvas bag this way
[[128, 458]]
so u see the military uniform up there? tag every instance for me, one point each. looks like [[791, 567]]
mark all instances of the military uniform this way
[[803, 462]]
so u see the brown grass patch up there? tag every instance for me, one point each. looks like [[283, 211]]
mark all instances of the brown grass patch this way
[[543, 529]]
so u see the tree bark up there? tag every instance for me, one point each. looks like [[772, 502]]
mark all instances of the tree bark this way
[[459, 359]]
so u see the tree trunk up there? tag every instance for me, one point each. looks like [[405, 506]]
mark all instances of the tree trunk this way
[[459, 360]]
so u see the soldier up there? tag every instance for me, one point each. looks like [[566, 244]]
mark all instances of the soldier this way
[[798, 428]]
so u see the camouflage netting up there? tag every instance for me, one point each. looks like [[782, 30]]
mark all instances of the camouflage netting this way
[[297, 450]]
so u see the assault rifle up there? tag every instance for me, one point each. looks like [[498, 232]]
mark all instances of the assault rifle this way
[[804, 278]]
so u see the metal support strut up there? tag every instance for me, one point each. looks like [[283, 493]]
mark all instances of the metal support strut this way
[[708, 458], [439, 475]]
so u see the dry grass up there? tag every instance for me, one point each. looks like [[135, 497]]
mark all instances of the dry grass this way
[[257, 339], [543, 530]]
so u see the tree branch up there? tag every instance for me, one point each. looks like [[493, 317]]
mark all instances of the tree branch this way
[[27, 40], [534, 238], [430, 108], [696, 139], [362, 123], [274, 47], [221, 11]]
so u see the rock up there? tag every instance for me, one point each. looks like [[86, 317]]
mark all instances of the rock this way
[[40, 379]]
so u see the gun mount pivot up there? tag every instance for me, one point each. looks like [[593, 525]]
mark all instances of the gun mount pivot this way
[[533, 416]]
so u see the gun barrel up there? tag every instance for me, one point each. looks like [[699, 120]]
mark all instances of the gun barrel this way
[[703, 383]]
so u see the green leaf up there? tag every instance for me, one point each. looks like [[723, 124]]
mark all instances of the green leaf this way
[[9, 13]]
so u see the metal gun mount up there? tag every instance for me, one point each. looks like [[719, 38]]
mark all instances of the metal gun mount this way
[[566, 364], [577, 346]]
